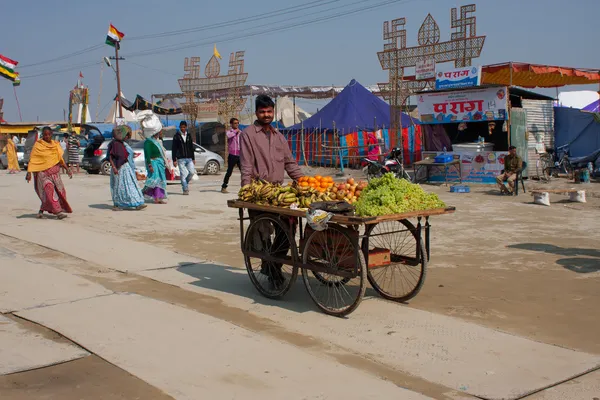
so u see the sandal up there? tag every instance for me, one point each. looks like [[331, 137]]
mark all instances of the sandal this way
[[141, 207], [40, 215], [61, 216], [117, 209]]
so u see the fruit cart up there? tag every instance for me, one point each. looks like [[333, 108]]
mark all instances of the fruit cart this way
[[389, 251]]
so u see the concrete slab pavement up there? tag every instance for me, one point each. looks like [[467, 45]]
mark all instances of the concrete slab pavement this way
[[586, 387], [22, 350], [190, 355], [460, 355], [445, 350], [93, 246], [25, 284]]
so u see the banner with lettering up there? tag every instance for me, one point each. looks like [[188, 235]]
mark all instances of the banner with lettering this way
[[476, 105], [458, 78]]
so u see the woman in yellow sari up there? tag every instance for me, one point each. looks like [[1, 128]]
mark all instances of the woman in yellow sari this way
[[45, 162], [11, 153]]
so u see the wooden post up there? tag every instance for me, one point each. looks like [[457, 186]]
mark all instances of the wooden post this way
[[117, 45]]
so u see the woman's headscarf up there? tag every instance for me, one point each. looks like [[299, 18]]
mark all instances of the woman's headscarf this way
[[117, 148], [44, 155], [120, 132], [151, 125]]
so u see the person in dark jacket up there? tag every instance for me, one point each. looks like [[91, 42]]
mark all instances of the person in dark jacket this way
[[183, 156]]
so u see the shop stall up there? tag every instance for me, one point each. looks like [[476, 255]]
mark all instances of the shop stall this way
[[477, 125]]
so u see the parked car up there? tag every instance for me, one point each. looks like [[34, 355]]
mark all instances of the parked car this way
[[95, 157], [207, 162], [33, 137], [20, 155]]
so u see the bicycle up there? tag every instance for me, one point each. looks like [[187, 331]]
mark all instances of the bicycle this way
[[550, 168]]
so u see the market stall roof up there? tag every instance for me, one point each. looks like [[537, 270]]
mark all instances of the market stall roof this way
[[142, 104], [354, 108], [536, 75]]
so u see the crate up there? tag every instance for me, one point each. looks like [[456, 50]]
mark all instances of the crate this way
[[460, 189], [378, 257], [444, 158]]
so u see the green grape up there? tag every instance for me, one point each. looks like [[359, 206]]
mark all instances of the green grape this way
[[389, 195]]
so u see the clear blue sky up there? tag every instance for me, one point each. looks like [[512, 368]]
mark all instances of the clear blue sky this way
[[555, 32]]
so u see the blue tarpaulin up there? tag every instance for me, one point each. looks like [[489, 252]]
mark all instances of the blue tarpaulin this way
[[578, 129], [354, 109]]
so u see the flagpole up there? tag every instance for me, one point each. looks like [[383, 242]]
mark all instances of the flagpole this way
[[118, 81]]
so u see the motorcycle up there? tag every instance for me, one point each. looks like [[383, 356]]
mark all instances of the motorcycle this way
[[392, 163], [566, 164], [590, 161]]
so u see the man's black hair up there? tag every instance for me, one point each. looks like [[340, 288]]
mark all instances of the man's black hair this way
[[264, 101], [46, 128], [511, 147], [233, 119], [182, 123]]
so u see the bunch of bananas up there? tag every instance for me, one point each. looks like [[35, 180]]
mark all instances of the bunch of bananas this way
[[257, 192], [265, 193]]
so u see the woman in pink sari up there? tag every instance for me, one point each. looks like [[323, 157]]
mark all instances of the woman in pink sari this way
[[373, 153]]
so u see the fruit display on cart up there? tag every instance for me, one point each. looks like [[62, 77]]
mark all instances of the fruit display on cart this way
[[388, 195], [302, 193]]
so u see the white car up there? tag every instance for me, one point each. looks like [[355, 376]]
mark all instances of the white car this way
[[207, 162], [20, 155]]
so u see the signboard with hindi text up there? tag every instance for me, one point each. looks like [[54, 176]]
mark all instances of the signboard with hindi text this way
[[425, 69], [476, 105], [458, 78]]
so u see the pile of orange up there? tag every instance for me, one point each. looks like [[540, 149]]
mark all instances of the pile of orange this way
[[321, 183]]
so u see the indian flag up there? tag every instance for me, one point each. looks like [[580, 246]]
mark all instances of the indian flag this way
[[114, 37], [7, 68]]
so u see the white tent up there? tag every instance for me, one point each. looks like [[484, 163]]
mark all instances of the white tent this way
[[113, 114], [88, 116], [284, 108], [289, 115], [577, 99]]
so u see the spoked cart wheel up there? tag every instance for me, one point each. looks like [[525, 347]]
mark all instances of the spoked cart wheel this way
[[337, 277], [404, 276], [268, 240]]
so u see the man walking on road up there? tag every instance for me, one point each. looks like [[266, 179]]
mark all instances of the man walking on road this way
[[183, 155], [233, 146]]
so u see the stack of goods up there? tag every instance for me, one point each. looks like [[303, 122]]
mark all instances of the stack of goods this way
[[318, 182], [302, 193], [389, 195], [265, 193], [349, 191]]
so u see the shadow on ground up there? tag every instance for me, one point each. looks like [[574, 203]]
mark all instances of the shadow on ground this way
[[237, 282], [578, 260], [101, 206]]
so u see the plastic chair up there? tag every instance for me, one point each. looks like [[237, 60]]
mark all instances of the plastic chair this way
[[519, 179]]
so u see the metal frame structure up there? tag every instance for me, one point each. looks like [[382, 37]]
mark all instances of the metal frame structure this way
[[192, 86], [464, 45]]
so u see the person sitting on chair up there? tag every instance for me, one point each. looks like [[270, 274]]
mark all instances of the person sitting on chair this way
[[512, 165]]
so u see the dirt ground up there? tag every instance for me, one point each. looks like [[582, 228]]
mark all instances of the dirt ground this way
[[501, 262]]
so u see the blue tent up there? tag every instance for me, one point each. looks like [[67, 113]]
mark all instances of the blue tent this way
[[580, 130], [355, 108]]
